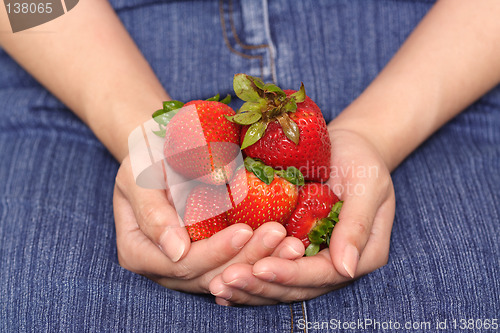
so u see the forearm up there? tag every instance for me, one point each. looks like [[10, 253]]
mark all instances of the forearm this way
[[449, 61], [87, 59]]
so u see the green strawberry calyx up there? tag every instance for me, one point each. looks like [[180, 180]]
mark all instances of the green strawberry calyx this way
[[264, 103], [322, 230], [267, 173], [171, 108]]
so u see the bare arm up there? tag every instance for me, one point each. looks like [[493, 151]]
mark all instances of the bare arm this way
[[450, 60], [87, 59]]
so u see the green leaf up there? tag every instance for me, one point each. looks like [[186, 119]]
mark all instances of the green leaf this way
[[158, 113], [312, 249], [292, 175], [253, 106], [321, 231], [245, 88], [335, 211], [260, 170], [247, 118], [163, 117], [254, 133], [290, 105], [226, 99], [290, 128], [161, 132], [230, 118], [274, 89], [300, 95], [258, 82], [172, 105], [214, 98]]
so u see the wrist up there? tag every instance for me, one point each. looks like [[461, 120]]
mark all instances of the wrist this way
[[113, 121], [390, 129]]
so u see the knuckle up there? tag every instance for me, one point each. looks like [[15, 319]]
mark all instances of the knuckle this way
[[151, 221], [181, 271], [120, 179], [360, 227], [204, 283], [150, 216], [259, 289], [124, 262], [296, 294]]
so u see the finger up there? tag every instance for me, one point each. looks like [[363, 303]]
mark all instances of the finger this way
[[290, 248], [223, 302], [204, 256], [222, 292], [238, 285], [351, 233], [316, 271], [154, 214], [376, 252], [136, 252], [212, 254], [263, 243]]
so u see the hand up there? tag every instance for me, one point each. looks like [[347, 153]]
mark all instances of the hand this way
[[359, 243], [151, 242]]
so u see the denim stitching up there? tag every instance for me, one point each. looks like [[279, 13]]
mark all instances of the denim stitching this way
[[237, 39]]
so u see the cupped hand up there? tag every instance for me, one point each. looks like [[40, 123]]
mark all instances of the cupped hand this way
[[359, 242], [152, 242]]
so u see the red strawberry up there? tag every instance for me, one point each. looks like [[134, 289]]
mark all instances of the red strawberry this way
[[283, 128], [261, 197], [205, 212], [314, 217], [200, 143]]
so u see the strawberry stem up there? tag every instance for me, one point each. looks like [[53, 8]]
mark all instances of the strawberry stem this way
[[267, 173], [264, 104], [322, 230]]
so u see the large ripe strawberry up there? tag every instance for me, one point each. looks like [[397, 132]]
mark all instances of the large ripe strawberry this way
[[261, 194], [205, 212], [314, 216], [282, 128], [200, 143]]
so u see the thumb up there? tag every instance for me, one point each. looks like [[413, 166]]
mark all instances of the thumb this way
[[155, 215], [351, 233]]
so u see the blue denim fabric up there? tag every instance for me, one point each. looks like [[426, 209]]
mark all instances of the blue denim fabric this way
[[58, 262]]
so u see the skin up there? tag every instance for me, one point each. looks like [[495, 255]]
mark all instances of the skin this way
[[449, 61]]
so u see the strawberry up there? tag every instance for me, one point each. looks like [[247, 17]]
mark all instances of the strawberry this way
[[282, 128], [261, 194], [200, 143], [314, 217], [205, 212]]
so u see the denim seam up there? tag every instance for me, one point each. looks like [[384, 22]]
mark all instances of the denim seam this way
[[235, 34], [304, 315], [291, 317], [238, 41]]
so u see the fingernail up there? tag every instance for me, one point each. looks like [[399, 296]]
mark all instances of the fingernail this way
[[266, 276], [238, 283], [223, 302], [351, 258], [240, 238], [172, 245], [272, 239], [224, 293]]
